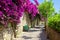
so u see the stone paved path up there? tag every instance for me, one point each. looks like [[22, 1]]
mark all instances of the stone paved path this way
[[33, 34]]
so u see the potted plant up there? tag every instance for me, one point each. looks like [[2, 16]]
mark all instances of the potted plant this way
[[25, 28]]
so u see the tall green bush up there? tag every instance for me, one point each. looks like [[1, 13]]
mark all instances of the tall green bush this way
[[54, 22], [46, 8]]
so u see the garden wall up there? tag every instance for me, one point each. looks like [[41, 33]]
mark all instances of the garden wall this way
[[6, 34], [52, 34], [1, 35]]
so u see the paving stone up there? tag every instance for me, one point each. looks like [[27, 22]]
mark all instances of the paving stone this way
[[33, 34]]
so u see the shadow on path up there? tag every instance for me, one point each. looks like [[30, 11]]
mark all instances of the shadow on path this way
[[35, 34], [33, 30], [26, 37], [43, 35]]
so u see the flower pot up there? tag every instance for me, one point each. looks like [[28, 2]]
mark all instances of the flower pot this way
[[25, 28]]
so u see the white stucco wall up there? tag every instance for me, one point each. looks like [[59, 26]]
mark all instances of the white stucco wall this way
[[21, 24]]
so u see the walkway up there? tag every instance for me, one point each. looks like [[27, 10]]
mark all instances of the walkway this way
[[34, 34]]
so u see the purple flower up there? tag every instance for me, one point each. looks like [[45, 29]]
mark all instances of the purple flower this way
[[14, 9]]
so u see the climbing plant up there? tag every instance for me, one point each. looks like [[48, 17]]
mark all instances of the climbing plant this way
[[12, 10]]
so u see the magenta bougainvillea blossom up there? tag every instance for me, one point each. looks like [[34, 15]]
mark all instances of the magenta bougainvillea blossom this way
[[12, 10]]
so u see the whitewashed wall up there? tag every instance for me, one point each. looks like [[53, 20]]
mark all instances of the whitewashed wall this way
[[20, 25]]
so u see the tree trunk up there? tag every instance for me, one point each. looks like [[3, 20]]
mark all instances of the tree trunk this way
[[31, 23], [37, 21], [14, 29], [45, 23]]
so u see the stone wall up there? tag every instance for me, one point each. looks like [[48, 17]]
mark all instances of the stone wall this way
[[52, 34], [6, 34], [1, 35]]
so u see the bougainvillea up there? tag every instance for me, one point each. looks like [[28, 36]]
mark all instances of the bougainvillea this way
[[12, 10]]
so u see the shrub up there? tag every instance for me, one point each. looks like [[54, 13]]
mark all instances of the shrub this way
[[54, 22]]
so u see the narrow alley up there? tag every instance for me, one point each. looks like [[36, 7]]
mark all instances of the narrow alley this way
[[37, 33]]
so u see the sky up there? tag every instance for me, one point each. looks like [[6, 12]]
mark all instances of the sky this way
[[56, 4]]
